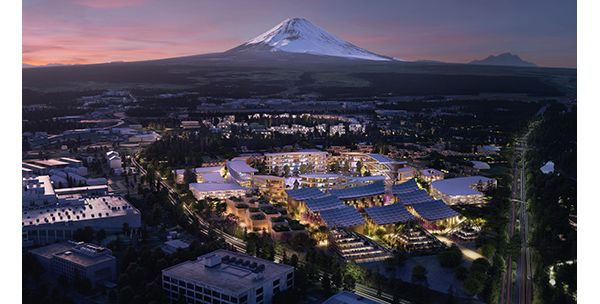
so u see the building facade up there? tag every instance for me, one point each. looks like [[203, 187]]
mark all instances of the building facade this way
[[226, 277]]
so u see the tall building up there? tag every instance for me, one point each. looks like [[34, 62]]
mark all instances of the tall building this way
[[224, 276], [312, 160], [77, 261]]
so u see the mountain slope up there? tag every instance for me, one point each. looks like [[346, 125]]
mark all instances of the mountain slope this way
[[504, 59], [298, 35]]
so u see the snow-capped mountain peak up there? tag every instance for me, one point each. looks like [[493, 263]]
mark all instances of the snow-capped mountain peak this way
[[298, 35]]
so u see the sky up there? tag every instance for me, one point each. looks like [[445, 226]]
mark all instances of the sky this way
[[95, 31]]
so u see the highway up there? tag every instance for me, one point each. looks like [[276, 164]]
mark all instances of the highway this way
[[240, 245]]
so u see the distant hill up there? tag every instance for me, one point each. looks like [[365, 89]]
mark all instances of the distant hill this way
[[505, 59]]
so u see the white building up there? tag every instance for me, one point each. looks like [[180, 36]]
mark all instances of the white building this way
[[227, 277], [114, 161], [462, 190], [78, 260], [314, 159], [216, 190], [241, 171], [38, 191], [48, 224]]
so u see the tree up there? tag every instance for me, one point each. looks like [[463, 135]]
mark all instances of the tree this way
[[100, 235], [326, 283], [126, 229], [189, 176], [294, 260], [336, 278], [349, 282], [450, 258], [84, 235], [419, 273], [478, 276]]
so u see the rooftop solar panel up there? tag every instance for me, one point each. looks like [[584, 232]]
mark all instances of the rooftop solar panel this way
[[304, 193], [408, 186], [389, 214], [434, 210], [414, 197], [345, 216], [323, 203], [376, 188]]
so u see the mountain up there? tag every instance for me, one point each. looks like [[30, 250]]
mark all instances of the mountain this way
[[504, 59], [298, 35]]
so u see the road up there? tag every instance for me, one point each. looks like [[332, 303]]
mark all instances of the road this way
[[523, 280], [240, 245]]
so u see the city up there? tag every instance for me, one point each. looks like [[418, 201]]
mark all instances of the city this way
[[298, 168]]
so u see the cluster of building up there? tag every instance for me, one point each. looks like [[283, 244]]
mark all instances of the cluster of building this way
[[53, 208], [389, 196]]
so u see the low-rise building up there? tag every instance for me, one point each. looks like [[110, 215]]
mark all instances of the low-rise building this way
[[270, 187], [429, 175], [224, 276], [48, 224], [462, 190], [321, 180], [216, 190], [77, 261]]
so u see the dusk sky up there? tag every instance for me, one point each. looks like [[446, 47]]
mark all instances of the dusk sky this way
[[94, 31]]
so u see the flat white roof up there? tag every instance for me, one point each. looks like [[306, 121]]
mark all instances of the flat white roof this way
[[459, 185], [320, 175], [240, 166], [480, 165], [210, 187], [83, 209], [311, 151], [212, 177], [431, 172], [208, 169], [229, 275]]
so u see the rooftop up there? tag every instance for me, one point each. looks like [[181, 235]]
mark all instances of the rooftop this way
[[78, 210], [307, 151], [304, 193], [383, 159], [460, 185], [434, 210], [414, 197], [344, 216], [323, 203], [408, 186], [80, 253], [240, 166], [208, 169], [208, 187], [320, 175], [234, 272], [431, 172], [212, 177], [389, 214], [373, 189]]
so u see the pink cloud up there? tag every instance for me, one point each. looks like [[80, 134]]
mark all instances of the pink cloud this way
[[107, 4]]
